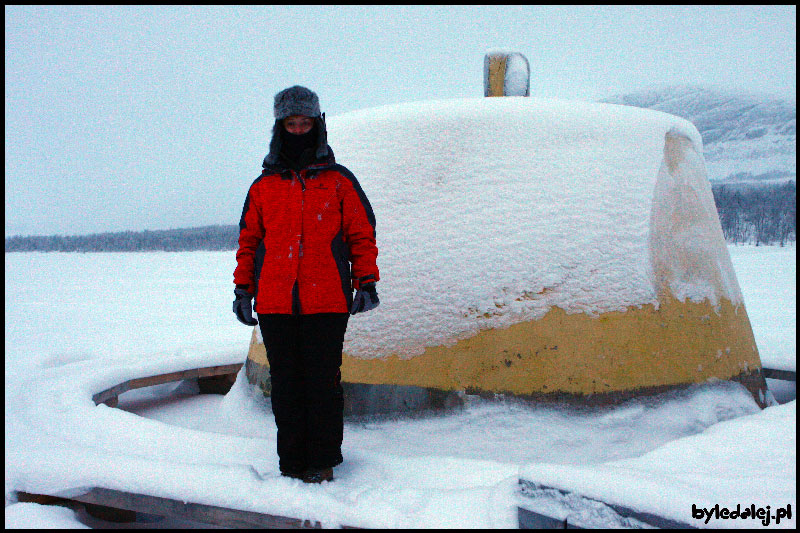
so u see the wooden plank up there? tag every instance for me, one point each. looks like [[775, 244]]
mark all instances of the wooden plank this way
[[160, 379], [784, 375], [528, 519], [168, 507], [209, 514], [41, 499], [219, 370], [109, 395], [198, 512]]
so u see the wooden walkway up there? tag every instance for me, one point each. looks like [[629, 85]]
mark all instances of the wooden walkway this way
[[217, 377], [576, 511], [110, 396], [113, 501]]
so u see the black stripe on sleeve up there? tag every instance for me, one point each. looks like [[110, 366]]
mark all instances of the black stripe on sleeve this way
[[344, 171]]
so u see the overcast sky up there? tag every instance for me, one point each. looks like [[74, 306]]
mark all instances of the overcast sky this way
[[132, 118]]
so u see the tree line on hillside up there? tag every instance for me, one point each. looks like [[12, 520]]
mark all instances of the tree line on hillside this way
[[757, 215], [754, 215], [174, 240]]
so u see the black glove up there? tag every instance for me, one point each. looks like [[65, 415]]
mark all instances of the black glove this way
[[366, 299], [243, 307]]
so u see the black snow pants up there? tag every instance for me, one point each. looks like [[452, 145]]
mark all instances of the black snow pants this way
[[304, 354]]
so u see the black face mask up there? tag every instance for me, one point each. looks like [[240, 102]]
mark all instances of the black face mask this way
[[298, 150]]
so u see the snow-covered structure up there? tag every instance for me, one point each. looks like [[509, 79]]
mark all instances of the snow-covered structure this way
[[539, 248]]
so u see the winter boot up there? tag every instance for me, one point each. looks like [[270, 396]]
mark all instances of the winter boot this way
[[292, 474], [318, 476]]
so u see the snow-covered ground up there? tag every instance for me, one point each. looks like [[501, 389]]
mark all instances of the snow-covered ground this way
[[76, 324], [766, 275]]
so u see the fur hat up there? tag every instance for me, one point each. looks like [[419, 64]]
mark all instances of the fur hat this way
[[296, 100]]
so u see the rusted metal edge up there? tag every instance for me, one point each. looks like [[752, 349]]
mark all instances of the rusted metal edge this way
[[110, 395], [177, 509]]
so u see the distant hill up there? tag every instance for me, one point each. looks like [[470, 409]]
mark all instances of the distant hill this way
[[747, 139]]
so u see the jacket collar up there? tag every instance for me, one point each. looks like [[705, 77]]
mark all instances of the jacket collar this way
[[278, 167]]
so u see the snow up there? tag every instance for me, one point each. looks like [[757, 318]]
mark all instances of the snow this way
[[687, 247], [35, 516], [529, 196], [670, 479], [767, 278], [517, 76], [492, 211], [458, 470]]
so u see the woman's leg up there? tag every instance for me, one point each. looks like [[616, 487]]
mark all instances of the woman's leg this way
[[281, 334], [321, 347]]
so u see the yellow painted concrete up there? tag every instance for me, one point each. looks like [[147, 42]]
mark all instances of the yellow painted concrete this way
[[679, 343], [497, 75]]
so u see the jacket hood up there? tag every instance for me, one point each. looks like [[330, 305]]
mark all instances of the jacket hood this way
[[323, 151]]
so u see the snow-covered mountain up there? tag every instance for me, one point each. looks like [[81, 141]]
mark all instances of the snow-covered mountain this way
[[747, 138]]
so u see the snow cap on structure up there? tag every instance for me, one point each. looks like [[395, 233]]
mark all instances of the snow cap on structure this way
[[510, 225], [496, 210]]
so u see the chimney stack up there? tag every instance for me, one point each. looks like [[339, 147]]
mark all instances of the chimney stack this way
[[506, 73]]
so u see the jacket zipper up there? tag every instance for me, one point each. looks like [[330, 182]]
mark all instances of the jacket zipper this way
[[296, 310], [302, 208]]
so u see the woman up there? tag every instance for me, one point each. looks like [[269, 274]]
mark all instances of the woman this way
[[306, 240]]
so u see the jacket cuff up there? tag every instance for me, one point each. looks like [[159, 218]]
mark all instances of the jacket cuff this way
[[248, 288], [358, 282]]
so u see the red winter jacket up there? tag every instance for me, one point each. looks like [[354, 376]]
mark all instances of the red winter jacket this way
[[299, 233]]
